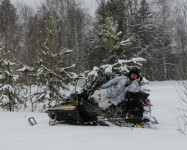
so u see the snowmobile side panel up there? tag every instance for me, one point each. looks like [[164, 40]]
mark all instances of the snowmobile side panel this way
[[68, 116]]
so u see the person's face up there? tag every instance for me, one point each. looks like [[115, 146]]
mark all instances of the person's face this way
[[134, 76]]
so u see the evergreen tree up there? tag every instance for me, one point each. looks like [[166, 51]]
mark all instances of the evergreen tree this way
[[122, 11], [109, 37], [9, 99], [51, 75]]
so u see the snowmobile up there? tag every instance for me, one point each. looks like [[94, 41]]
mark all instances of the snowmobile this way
[[81, 109]]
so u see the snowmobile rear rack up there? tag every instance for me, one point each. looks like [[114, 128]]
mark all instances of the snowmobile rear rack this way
[[32, 121]]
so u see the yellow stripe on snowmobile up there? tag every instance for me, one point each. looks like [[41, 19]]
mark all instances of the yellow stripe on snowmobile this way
[[64, 108], [77, 102]]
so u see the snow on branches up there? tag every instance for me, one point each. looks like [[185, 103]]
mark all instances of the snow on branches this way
[[100, 75]]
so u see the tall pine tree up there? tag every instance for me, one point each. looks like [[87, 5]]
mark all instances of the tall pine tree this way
[[51, 74], [109, 37]]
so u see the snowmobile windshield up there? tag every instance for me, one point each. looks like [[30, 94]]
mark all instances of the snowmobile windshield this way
[[81, 85], [71, 100], [72, 97]]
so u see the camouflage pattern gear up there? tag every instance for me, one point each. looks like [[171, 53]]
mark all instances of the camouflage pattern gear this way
[[118, 87]]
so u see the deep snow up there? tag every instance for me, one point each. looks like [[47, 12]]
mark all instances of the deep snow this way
[[17, 134]]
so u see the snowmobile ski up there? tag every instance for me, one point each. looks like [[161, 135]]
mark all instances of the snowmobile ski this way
[[32, 121]]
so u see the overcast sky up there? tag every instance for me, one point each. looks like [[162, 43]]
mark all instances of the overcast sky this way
[[90, 4]]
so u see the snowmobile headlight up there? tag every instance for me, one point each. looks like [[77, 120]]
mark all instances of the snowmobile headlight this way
[[139, 126]]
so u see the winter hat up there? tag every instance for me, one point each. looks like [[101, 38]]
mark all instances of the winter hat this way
[[135, 70]]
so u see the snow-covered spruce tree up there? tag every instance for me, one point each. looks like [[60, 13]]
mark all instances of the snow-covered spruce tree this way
[[100, 75], [9, 99], [52, 76], [109, 37]]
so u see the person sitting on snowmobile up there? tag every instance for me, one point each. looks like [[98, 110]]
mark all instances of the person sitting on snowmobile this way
[[114, 91]]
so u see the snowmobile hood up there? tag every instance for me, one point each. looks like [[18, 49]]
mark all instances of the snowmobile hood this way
[[64, 106]]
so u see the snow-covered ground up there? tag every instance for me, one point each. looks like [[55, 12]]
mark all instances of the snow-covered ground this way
[[17, 134]]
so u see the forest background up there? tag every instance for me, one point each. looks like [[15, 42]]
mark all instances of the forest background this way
[[43, 51]]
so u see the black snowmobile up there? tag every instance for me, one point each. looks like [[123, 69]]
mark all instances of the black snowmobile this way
[[81, 109]]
